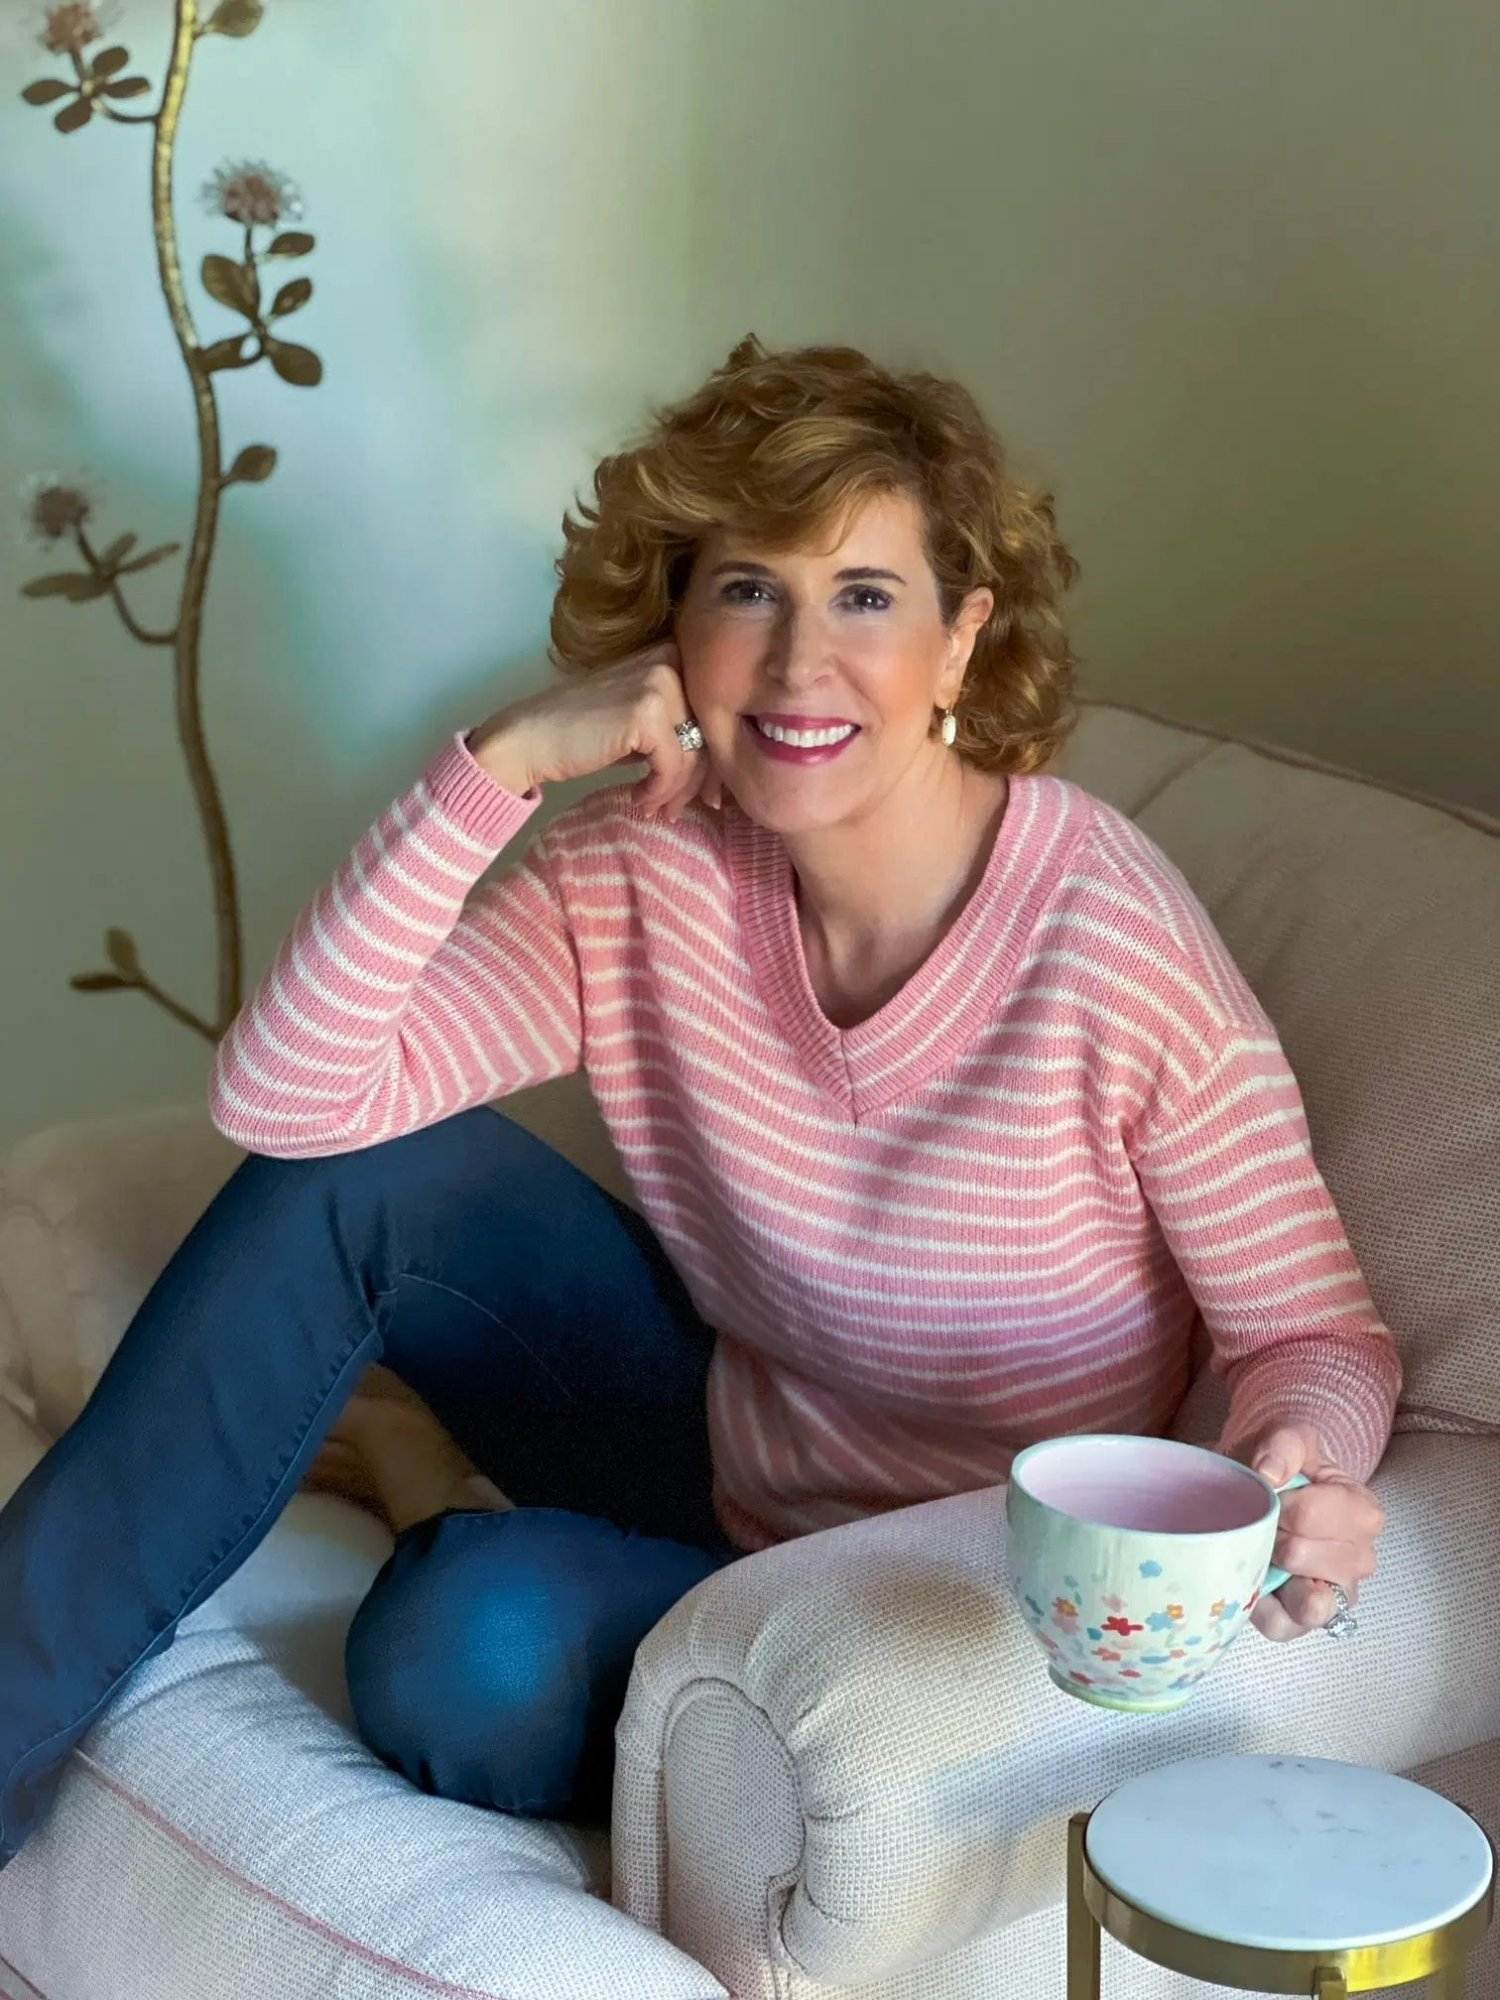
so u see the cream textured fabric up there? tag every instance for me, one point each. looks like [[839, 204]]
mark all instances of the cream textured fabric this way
[[222, 1829], [844, 1754], [89, 1213]]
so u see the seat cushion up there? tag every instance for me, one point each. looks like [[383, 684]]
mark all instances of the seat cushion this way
[[223, 1829], [1367, 922], [90, 1211]]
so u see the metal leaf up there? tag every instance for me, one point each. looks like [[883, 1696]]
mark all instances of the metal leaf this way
[[121, 546], [128, 86], [119, 949], [234, 17], [109, 60], [290, 243], [151, 556], [224, 353], [73, 117], [291, 296], [61, 585], [297, 365], [99, 982], [47, 90], [231, 284], [255, 462]]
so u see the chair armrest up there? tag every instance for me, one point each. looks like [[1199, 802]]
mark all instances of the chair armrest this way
[[90, 1213], [842, 1757]]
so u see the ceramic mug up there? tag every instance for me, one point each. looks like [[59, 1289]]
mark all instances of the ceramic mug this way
[[1136, 1562]]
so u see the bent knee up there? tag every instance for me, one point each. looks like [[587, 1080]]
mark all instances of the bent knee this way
[[467, 1670], [490, 1658]]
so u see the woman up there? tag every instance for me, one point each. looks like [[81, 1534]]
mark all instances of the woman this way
[[948, 1111]]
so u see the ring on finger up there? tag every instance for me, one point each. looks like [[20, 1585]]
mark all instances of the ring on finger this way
[[689, 735], [1343, 1624]]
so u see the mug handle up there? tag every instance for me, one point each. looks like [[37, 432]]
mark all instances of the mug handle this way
[[1275, 1577]]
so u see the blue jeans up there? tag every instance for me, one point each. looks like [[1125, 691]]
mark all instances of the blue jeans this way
[[541, 1321]]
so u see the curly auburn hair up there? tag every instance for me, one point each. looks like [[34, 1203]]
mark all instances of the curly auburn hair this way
[[779, 448]]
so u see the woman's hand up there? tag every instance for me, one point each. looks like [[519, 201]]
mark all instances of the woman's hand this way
[[1327, 1534], [618, 715]]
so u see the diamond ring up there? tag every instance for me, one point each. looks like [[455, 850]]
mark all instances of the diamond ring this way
[[689, 735], [1343, 1624]]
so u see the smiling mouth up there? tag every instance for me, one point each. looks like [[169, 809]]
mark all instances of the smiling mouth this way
[[803, 735]]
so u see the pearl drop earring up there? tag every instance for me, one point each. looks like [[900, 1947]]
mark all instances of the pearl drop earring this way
[[950, 727]]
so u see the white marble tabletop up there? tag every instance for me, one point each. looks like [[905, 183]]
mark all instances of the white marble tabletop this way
[[1289, 1853]]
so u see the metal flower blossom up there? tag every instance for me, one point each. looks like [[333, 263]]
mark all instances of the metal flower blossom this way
[[251, 192], [68, 30], [56, 504]]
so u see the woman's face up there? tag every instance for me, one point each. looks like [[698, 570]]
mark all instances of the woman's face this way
[[851, 642]]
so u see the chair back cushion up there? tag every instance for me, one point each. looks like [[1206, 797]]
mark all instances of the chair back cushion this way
[[1368, 922]]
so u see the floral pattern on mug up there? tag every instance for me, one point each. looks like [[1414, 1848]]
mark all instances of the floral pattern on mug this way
[[1142, 1649]]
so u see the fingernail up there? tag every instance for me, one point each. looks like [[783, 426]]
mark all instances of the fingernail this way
[[1272, 1469]]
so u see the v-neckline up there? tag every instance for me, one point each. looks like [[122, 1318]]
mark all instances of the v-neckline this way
[[940, 1008]]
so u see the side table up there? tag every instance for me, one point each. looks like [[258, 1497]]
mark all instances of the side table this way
[[1279, 1875]]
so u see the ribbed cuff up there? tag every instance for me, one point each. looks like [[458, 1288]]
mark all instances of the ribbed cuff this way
[[1353, 1433], [479, 805]]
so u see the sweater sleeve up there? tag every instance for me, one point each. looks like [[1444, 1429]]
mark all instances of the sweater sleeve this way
[[1229, 1172], [404, 993]]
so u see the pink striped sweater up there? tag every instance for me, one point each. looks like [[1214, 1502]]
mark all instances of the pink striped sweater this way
[[993, 1212]]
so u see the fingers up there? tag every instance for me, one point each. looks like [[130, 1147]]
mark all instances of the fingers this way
[[1304, 1605], [675, 773], [1348, 1563], [1326, 1536], [677, 777], [1285, 1453], [699, 773], [1272, 1619], [1310, 1602], [1332, 1509]]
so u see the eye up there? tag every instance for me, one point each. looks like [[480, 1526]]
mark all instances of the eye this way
[[753, 583]]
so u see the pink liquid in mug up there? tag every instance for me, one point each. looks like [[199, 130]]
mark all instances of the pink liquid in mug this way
[[1152, 1484]]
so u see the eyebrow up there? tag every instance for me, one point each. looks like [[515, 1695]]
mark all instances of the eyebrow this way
[[842, 576]]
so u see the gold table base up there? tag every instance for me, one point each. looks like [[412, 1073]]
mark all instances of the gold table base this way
[[1094, 1908]]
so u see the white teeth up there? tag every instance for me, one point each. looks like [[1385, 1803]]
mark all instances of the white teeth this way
[[804, 739]]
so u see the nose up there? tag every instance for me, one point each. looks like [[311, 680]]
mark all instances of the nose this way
[[797, 654]]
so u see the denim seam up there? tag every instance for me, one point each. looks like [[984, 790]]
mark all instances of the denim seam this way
[[220, 1558], [489, 1313]]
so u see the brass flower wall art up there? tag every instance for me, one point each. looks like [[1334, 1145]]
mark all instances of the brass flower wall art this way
[[258, 202]]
